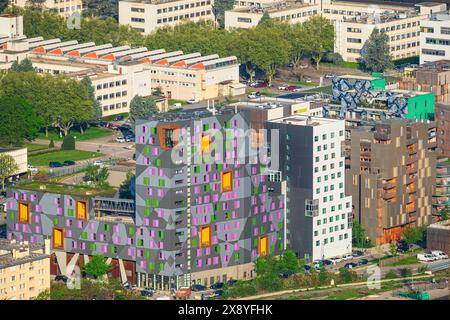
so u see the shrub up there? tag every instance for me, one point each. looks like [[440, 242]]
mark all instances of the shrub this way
[[68, 143], [333, 57], [392, 274], [51, 144], [405, 272], [242, 289]]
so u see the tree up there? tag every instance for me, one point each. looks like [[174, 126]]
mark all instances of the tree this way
[[68, 143], [219, 8], [265, 17], [414, 235], [18, 122], [126, 188], [444, 213], [51, 144], [3, 5], [141, 108], [298, 41], [359, 238], [98, 176], [346, 275], [267, 273], [393, 248], [101, 8], [97, 266], [323, 276], [375, 53], [8, 167], [96, 105], [24, 66], [288, 262], [320, 37]]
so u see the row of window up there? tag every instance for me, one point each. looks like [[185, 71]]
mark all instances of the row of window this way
[[177, 83], [111, 84], [116, 106], [183, 6], [444, 30], [186, 16], [112, 95], [405, 46], [325, 241], [441, 42], [172, 73], [298, 15]]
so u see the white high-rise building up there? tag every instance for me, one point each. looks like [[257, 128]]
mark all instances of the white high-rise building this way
[[319, 213], [435, 38]]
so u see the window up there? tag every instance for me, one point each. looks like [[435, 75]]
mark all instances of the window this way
[[263, 249], [58, 238], [81, 210], [206, 141], [24, 212], [227, 181], [205, 236]]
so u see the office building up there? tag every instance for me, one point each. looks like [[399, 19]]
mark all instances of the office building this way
[[435, 38], [24, 270], [147, 16], [390, 174], [318, 211], [64, 8]]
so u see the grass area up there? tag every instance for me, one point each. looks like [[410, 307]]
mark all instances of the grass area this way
[[404, 262], [326, 90], [268, 94], [345, 64], [303, 83], [61, 155], [90, 133], [62, 188], [174, 101], [112, 117], [35, 146]]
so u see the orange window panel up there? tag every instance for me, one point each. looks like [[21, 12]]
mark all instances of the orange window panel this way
[[82, 210], [58, 238], [206, 141], [263, 249], [227, 181], [24, 212], [205, 236]]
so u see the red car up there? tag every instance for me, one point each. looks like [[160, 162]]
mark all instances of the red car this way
[[261, 85], [291, 88]]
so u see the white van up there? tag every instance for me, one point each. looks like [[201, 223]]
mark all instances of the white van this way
[[439, 254], [425, 257]]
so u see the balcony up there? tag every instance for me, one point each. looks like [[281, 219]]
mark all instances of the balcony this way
[[411, 158], [411, 170], [389, 194]]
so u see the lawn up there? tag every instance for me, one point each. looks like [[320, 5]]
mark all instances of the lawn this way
[[303, 83], [268, 94], [174, 101], [90, 133], [404, 262], [326, 90], [35, 146], [61, 155], [345, 64]]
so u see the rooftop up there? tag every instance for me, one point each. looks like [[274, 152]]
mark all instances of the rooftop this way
[[441, 225], [279, 6], [349, 76], [62, 188], [14, 253], [306, 121]]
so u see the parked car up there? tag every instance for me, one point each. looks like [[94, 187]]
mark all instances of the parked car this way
[[330, 76], [69, 163], [307, 267], [402, 246], [129, 138], [439, 254], [357, 253], [146, 293], [347, 257], [61, 277], [112, 126], [283, 87], [118, 118], [198, 287], [254, 95], [363, 262], [217, 285], [327, 262], [55, 164], [350, 265], [425, 257], [192, 101], [303, 66], [184, 293], [32, 168], [336, 260], [231, 282], [258, 84], [291, 88], [120, 139], [98, 163], [308, 79]]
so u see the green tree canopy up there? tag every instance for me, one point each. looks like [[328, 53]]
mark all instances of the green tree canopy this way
[[376, 54], [96, 105], [97, 266], [8, 167], [24, 66], [319, 34], [219, 8], [267, 273], [141, 108], [288, 263], [18, 121], [414, 235], [359, 237], [98, 176]]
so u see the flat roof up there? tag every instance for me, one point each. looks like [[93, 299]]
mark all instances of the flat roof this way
[[306, 121], [6, 257], [349, 76], [61, 188], [274, 7]]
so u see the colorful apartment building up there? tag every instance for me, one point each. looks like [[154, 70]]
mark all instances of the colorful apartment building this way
[[391, 175], [192, 221]]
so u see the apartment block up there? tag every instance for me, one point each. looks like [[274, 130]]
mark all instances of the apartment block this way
[[248, 14], [443, 125], [24, 270], [311, 162], [390, 174], [64, 8], [441, 197], [147, 16], [429, 77], [199, 216], [435, 38]]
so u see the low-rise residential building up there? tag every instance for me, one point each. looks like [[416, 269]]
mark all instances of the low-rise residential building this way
[[435, 38], [24, 270], [146, 16], [248, 14], [64, 8], [391, 176], [438, 236], [311, 164]]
